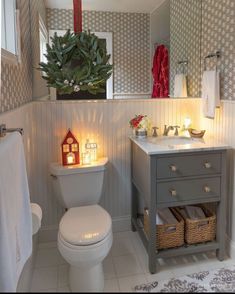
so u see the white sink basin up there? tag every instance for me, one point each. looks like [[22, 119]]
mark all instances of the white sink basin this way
[[173, 144], [172, 141]]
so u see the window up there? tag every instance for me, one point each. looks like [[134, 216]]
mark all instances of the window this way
[[43, 39], [10, 33]]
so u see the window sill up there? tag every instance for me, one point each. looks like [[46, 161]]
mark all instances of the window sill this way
[[8, 57]]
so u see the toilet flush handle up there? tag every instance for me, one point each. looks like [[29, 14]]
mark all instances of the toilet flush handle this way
[[54, 177]]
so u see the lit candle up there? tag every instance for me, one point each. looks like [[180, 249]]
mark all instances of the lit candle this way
[[86, 158], [187, 122], [70, 158]]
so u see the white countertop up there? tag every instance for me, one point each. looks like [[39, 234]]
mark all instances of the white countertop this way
[[172, 144]]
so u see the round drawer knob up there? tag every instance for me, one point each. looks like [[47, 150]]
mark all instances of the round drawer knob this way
[[207, 165], [207, 189], [173, 192], [173, 168]]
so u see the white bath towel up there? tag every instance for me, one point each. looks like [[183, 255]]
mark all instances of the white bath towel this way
[[195, 212], [180, 87], [15, 212], [166, 215], [159, 221], [210, 92]]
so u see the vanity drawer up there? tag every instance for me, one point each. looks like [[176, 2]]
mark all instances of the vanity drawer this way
[[188, 165], [186, 190]]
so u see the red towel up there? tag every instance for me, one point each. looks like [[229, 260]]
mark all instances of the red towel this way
[[160, 73]]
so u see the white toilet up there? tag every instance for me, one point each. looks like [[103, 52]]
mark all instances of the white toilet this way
[[85, 231]]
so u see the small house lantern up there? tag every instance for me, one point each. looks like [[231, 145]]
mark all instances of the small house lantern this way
[[92, 149], [86, 158], [70, 150]]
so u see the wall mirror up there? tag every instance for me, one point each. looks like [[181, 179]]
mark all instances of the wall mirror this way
[[155, 45]]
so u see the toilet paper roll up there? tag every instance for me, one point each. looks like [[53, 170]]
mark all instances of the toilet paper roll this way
[[36, 217]]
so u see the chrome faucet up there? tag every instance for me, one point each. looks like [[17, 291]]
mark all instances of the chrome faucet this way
[[171, 128], [167, 129], [176, 130]]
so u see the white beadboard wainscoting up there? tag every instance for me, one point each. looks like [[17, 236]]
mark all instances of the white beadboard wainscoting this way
[[223, 128], [107, 123]]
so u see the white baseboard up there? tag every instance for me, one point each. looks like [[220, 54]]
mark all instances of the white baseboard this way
[[49, 234], [230, 247], [121, 224]]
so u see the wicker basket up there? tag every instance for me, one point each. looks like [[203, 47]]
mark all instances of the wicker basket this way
[[166, 236], [199, 231]]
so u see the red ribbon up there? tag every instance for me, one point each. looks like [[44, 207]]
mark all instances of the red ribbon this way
[[77, 15]]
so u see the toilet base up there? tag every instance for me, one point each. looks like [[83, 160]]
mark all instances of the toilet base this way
[[86, 279]]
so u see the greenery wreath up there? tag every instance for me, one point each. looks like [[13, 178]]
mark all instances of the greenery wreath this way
[[76, 62]]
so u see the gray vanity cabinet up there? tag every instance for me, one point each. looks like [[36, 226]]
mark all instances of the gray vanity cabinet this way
[[175, 179]]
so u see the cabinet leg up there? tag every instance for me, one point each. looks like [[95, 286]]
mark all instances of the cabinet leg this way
[[134, 205], [221, 212], [220, 253], [133, 227], [152, 266]]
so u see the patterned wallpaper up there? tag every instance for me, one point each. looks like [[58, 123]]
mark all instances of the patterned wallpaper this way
[[131, 43], [218, 33], [16, 80], [185, 34]]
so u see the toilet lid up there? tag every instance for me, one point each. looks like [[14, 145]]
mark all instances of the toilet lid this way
[[85, 225]]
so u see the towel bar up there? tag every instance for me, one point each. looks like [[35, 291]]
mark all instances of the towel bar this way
[[184, 63], [217, 54], [4, 130]]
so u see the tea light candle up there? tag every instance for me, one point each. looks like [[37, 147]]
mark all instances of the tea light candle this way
[[86, 158], [70, 158]]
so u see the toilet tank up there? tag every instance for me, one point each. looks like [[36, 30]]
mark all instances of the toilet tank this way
[[78, 185]]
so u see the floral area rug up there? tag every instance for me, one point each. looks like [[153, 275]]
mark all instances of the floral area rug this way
[[220, 280]]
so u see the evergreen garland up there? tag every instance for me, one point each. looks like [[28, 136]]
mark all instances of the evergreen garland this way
[[76, 62]]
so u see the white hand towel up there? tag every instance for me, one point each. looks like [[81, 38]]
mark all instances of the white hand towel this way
[[167, 216], [159, 221], [195, 212], [210, 92], [15, 212], [180, 87]]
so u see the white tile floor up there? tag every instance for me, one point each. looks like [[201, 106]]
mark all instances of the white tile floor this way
[[125, 266]]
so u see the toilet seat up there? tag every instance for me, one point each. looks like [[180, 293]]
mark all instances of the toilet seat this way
[[86, 247], [84, 226]]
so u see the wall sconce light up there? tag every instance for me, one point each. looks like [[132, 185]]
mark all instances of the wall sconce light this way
[[92, 149], [70, 150]]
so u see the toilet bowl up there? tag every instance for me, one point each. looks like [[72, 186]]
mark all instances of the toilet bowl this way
[[85, 231], [84, 240]]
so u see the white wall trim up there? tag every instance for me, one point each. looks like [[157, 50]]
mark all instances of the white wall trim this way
[[121, 224], [131, 95], [8, 57], [228, 101], [158, 5], [49, 234], [230, 247]]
